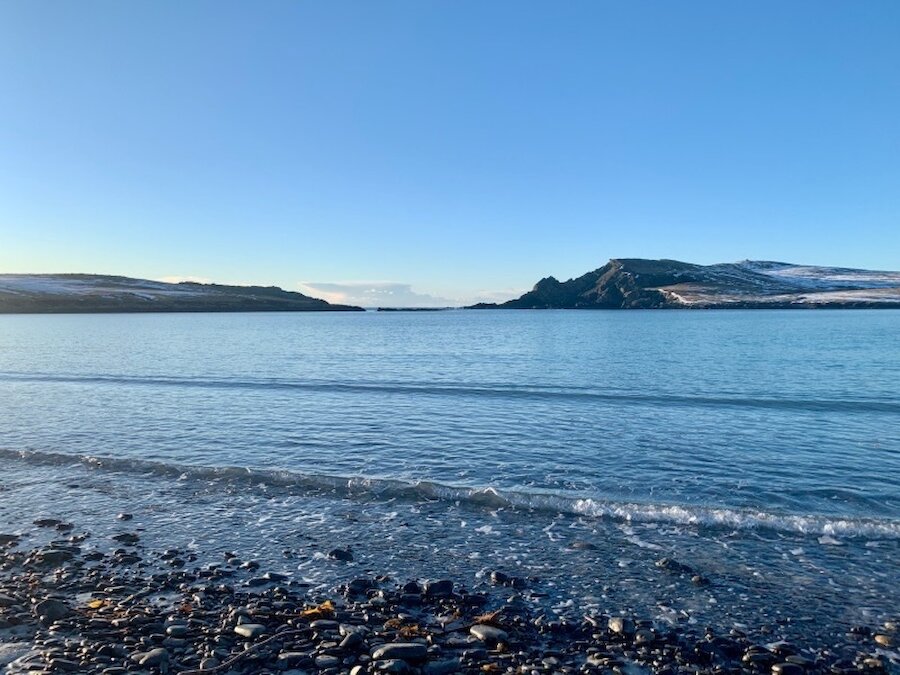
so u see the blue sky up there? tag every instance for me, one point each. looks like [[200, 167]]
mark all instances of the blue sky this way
[[458, 149]]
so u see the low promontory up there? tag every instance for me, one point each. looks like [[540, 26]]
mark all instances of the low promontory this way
[[91, 293]]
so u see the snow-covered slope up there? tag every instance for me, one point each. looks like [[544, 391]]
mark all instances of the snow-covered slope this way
[[825, 278], [781, 284]]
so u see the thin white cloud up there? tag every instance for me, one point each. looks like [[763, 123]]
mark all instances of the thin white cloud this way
[[373, 294], [394, 294]]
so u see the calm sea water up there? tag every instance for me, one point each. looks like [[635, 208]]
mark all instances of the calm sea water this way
[[574, 445]]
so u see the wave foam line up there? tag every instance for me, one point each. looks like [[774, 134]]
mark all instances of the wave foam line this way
[[493, 498], [489, 497], [494, 391]]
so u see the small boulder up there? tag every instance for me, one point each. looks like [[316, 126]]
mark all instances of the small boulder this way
[[249, 630], [155, 657], [438, 589], [342, 554], [51, 610], [490, 635], [407, 651], [619, 625]]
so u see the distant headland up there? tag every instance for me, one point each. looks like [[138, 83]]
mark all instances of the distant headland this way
[[91, 293], [622, 283], [635, 283]]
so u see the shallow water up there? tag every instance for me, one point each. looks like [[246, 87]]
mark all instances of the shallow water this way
[[762, 448]]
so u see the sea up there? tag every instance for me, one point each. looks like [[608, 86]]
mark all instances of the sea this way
[[573, 449]]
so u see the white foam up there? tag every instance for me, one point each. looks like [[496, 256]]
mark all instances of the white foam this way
[[827, 527]]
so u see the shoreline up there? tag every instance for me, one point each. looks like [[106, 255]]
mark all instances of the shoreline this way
[[120, 608]]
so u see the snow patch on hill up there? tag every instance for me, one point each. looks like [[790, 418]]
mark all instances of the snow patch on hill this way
[[62, 285]]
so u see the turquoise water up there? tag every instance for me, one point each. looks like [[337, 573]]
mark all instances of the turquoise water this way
[[790, 413], [780, 427]]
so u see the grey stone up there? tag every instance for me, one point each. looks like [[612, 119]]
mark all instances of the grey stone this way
[[127, 538], [408, 651], [52, 609], [64, 664], [250, 630], [351, 640], [177, 630], [327, 661], [288, 659], [442, 667], [488, 634], [440, 588], [155, 657], [343, 554], [644, 636], [54, 557], [324, 624], [620, 625]]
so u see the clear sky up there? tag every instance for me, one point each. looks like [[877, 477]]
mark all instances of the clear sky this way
[[460, 149]]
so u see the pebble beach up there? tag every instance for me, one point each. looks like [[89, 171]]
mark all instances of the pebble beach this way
[[75, 604]]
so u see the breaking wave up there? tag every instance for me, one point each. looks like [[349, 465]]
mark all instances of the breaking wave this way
[[355, 487]]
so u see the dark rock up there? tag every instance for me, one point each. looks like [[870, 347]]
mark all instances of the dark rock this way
[[392, 666], [438, 589], [155, 657], [410, 588], [47, 522], [407, 651], [291, 659], [54, 557], [64, 664], [324, 624], [342, 554], [351, 640], [499, 578], [787, 669], [672, 565], [52, 610], [178, 630], [325, 661], [441, 667], [127, 538], [359, 586]]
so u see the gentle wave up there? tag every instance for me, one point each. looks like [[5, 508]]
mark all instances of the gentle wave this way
[[493, 391], [487, 497]]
